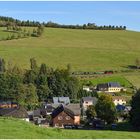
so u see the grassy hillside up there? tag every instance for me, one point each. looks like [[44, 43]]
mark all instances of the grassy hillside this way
[[85, 50], [4, 34], [12, 128]]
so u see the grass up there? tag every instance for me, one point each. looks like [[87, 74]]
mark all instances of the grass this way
[[17, 129], [134, 78], [4, 34], [85, 50], [117, 78]]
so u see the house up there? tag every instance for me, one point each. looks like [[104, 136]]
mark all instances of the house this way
[[114, 87], [19, 112], [63, 115], [43, 122], [111, 87], [102, 87], [61, 100], [119, 100], [87, 101], [8, 104], [87, 88], [47, 108]]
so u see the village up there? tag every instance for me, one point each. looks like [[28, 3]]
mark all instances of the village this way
[[62, 113]]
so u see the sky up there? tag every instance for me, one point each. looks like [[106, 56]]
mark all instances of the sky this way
[[126, 13]]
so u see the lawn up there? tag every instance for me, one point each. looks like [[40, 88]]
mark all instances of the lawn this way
[[114, 78], [134, 78], [85, 50], [17, 129]]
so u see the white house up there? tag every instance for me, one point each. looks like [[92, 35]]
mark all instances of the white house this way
[[119, 100], [87, 88]]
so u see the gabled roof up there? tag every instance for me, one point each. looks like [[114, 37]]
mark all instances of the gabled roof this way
[[118, 98], [61, 100], [19, 112], [90, 99], [113, 84], [66, 109], [75, 108], [36, 112], [104, 85]]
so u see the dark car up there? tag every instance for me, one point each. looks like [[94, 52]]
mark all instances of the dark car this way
[[98, 124]]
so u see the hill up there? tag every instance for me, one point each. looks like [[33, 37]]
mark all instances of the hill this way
[[85, 50], [17, 129]]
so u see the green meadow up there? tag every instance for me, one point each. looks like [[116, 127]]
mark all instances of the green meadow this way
[[17, 129], [85, 50], [117, 78]]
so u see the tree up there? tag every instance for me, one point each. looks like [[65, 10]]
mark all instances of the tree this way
[[43, 69], [40, 30], [21, 94], [30, 77], [72, 87], [69, 69], [16, 70], [12, 36], [2, 65], [137, 63], [43, 92], [33, 64], [31, 97], [105, 109], [27, 96], [90, 112], [9, 66], [135, 111]]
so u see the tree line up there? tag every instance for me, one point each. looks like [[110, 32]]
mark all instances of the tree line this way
[[8, 21], [39, 83]]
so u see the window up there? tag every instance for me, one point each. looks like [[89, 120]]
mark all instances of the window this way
[[67, 117], [60, 117]]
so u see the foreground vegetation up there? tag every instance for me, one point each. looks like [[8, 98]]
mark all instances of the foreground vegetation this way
[[17, 129]]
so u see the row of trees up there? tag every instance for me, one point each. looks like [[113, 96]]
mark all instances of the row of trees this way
[[92, 26], [35, 32], [8, 21], [18, 32]]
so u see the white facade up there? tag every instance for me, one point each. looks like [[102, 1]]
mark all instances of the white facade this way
[[119, 101], [87, 88], [86, 104], [114, 89]]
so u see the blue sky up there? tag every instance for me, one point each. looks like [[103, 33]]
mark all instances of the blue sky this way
[[64, 12]]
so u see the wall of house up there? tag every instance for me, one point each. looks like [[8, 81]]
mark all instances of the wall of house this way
[[86, 104], [119, 102], [57, 122], [77, 120], [114, 89], [87, 89]]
